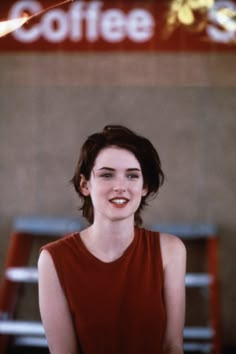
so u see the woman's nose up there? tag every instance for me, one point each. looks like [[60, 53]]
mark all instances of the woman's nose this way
[[119, 185], [119, 189]]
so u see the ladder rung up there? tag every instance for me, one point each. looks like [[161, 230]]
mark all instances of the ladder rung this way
[[40, 225], [188, 231], [22, 274], [21, 328], [30, 341], [198, 347], [198, 332], [42, 342], [36, 328], [30, 275], [197, 279], [62, 225]]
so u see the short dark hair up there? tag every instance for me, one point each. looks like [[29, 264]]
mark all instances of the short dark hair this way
[[124, 138]]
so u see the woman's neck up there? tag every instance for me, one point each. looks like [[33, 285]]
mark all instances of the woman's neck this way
[[108, 241]]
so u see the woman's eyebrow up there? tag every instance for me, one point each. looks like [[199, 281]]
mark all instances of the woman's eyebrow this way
[[113, 169], [106, 168]]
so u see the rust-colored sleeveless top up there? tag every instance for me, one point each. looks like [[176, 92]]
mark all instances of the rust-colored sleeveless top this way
[[117, 307]]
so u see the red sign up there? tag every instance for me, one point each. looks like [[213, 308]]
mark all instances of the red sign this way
[[122, 26]]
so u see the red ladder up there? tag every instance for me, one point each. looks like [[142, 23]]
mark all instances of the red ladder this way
[[201, 339], [25, 229]]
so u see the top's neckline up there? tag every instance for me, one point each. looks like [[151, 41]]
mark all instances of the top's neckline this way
[[97, 260]]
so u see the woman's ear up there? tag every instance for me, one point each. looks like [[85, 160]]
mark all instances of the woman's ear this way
[[145, 191], [84, 188]]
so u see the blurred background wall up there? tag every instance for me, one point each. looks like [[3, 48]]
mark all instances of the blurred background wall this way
[[184, 102]]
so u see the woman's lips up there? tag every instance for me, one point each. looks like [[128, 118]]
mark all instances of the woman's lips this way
[[119, 202]]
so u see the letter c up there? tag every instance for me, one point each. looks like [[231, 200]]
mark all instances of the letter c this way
[[23, 34]]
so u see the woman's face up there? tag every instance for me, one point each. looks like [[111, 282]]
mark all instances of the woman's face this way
[[115, 185]]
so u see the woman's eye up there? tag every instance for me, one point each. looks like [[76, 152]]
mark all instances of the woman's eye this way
[[106, 175], [133, 176]]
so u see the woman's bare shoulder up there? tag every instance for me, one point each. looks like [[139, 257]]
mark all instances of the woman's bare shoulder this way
[[46, 265], [45, 262], [172, 247]]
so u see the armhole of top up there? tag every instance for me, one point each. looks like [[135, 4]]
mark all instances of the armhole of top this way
[[157, 236]]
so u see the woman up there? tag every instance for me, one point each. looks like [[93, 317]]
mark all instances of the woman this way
[[114, 288]]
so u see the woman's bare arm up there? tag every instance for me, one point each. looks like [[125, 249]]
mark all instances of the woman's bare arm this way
[[54, 309], [174, 263]]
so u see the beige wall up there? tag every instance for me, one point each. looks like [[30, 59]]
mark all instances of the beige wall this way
[[185, 103]]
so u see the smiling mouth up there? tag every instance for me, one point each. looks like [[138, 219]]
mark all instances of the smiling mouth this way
[[119, 201]]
